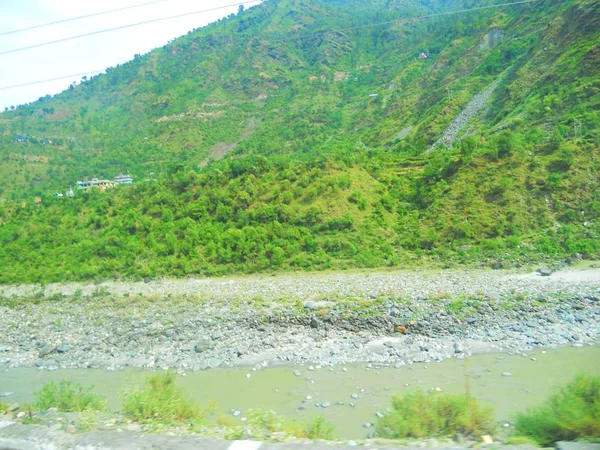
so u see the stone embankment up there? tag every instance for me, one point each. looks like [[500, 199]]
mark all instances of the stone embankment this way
[[393, 318]]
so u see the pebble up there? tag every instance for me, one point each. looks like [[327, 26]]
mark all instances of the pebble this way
[[193, 343], [354, 396], [506, 374]]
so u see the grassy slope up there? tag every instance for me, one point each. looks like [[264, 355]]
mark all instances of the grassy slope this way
[[338, 188]]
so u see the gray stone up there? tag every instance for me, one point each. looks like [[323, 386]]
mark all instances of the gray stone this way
[[314, 323], [545, 272], [202, 346], [297, 373], [354, 396], [379, 415], [326, 404], [12, 408], [506, 374], [236, 413], [47, 350], [63, 348], [458, 348], [6, 394], [216, 336]]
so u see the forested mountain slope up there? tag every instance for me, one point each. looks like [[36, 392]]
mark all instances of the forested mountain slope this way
[[297, 135]]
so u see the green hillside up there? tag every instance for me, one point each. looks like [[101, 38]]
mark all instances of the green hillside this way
[[298, 135]]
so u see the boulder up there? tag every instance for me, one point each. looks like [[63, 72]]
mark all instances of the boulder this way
[[202, 346], [47, 349]]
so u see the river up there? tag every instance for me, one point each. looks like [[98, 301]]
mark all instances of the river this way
[[533, 377]]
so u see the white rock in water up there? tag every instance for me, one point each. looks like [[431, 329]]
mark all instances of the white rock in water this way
[[248, 375], [506, 374]]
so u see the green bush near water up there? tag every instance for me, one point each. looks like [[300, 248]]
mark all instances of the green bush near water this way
[[319, 428], [68, 396], [420, 415], [268, 421], [160, 399], [570, 414]]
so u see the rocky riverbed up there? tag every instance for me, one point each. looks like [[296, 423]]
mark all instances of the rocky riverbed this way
[[393, 318]]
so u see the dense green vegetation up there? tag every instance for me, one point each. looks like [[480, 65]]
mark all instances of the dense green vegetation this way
[[273, 150], [419, 415], [67, 396], [570, 414]]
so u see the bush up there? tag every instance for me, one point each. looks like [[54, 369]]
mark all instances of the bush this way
[[67, 396], [270, 422], [420, 415], [159, 399], [319, 428], [571, 413]]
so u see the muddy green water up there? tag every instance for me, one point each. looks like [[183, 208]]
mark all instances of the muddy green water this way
[[279, 389]]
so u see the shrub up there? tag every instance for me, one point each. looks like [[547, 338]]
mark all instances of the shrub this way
[[419, 415], [319, 428], [159, 399], [270, 422], [571, 413], [68, 396]]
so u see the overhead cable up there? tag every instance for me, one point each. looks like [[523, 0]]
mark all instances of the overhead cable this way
[[122, 27], [86, 16]]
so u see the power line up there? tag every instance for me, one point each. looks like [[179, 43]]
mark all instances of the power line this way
[[429, 16], [52, 79], [390, 22], [86, 16], [122, 27]]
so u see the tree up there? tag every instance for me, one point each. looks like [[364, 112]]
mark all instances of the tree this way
[[241, 9]]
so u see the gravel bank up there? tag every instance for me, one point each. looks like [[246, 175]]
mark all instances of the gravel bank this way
[[464, 117], [394, 318]]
